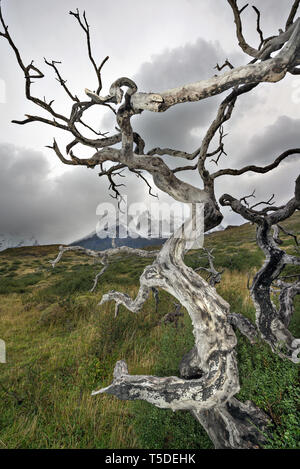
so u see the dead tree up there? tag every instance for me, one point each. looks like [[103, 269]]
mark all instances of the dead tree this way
[[209, 377], [103, 256], [214, 276], [172, 317], [269, 319]]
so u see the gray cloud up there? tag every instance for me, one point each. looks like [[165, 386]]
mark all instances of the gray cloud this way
[[59, 208], [54, 209], [262, 149], [272, 141]]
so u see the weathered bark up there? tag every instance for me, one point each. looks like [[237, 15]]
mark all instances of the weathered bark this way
[[209, 373], [245, 326], [270, 70], [286, 300], [272, 322], [235, 425]]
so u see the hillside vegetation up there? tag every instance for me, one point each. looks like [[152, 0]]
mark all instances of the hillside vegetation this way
[[61, 345]]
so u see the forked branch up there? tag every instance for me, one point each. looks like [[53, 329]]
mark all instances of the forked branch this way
[[103, 256]]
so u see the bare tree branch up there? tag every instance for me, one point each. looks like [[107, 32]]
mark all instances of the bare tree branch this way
[[292, 14], [288, 233], [215, 276], [244, 326], [239, 29], [103, 256], [53, 64], [172, 317], [286, 299], [86, 28], [176, 153], [256, 169], [268, 202], [225, 64], [258, 28], [244, 199]]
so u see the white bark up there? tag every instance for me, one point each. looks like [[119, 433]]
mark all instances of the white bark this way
[[269, 71], [214, 338], [209, 373]]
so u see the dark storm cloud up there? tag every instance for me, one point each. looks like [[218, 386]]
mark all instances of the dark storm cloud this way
[[22, 180], [265, 146], [262, 149], [34, 203], [53, 209]]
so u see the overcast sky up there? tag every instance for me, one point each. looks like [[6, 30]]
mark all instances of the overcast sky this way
[[159, 44]]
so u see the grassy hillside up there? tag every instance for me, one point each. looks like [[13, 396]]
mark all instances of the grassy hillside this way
[[61, 346]]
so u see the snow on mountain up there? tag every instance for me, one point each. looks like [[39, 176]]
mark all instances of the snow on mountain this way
[[134, 233], [144, 229], [155, 225], [118, 231], [13, 240]]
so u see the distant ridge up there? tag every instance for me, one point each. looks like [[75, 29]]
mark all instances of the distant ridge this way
[[95, 243], [104, 241], [100, 243]]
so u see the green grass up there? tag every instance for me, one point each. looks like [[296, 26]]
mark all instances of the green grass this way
[[10, 284], [273, 385], [61, 345]]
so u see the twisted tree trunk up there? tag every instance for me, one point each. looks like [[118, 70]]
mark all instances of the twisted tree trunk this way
[[209, 373], [235, 425], [272, 322]]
